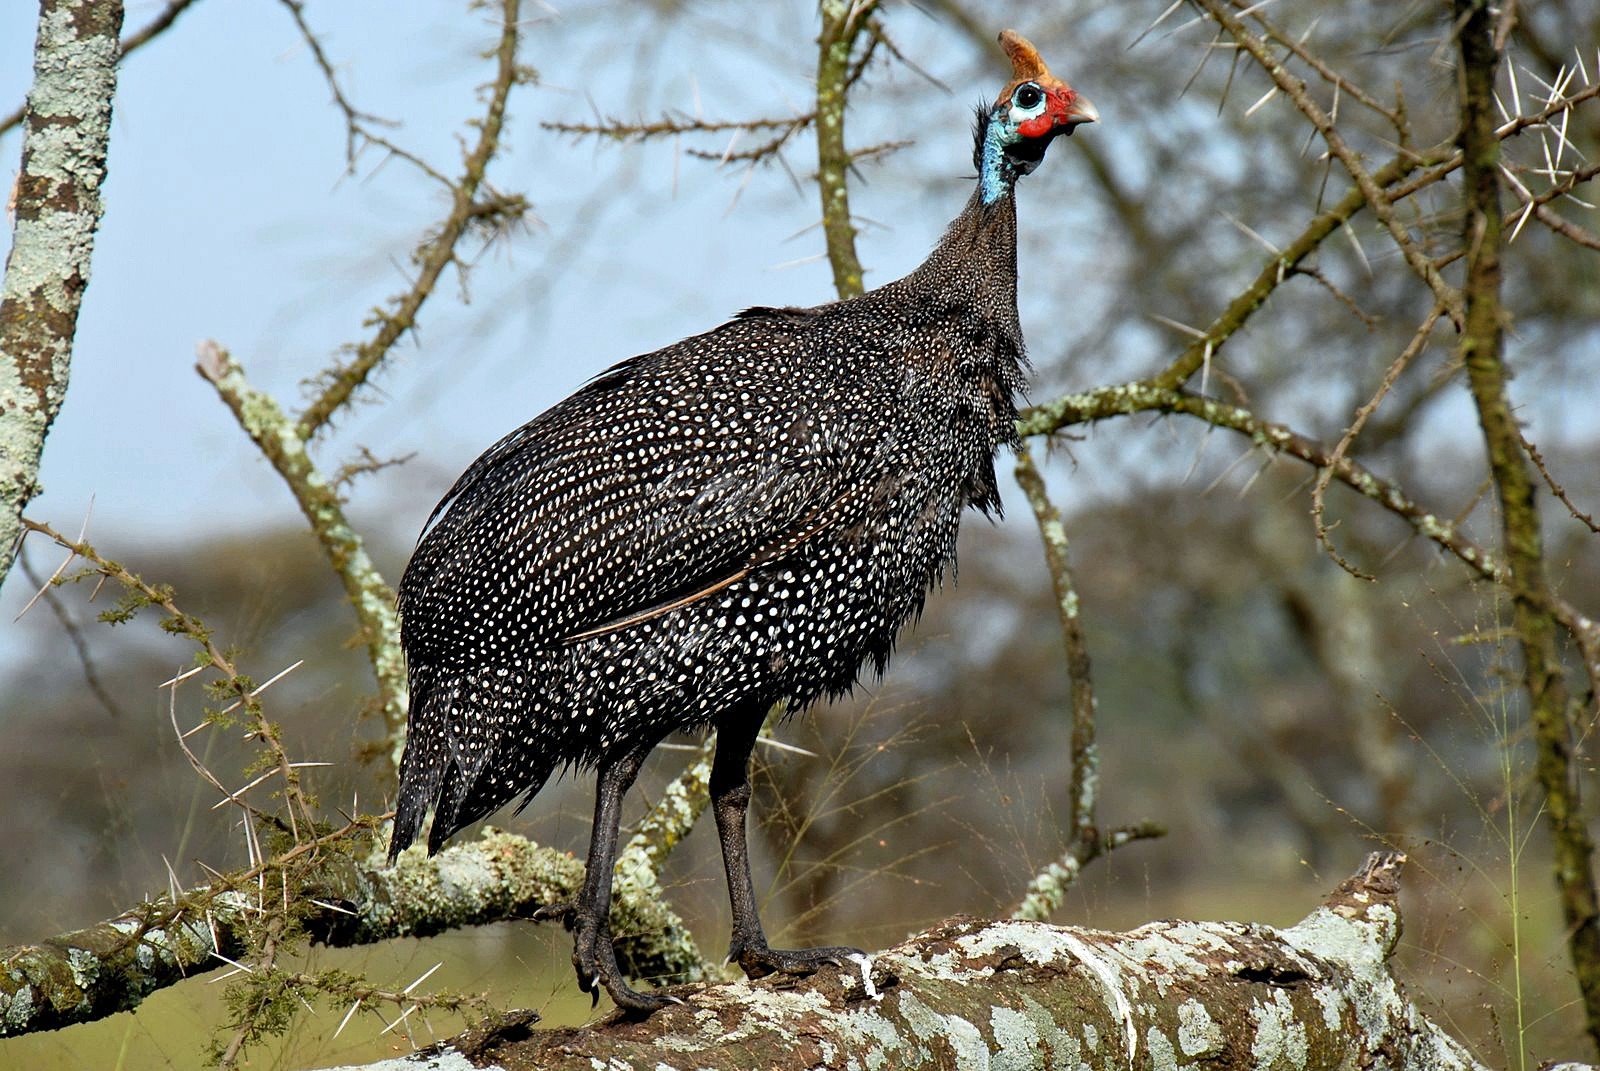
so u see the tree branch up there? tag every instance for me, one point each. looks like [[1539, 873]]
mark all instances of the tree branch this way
[[1536, 626], [1370, 187], [348, 900], [58, 208], [842, 22], [370, 595], [439, 251], [1085, 841], [968, 993]]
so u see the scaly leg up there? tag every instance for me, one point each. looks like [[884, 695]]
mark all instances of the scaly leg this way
[[730, 801], [592, 953]]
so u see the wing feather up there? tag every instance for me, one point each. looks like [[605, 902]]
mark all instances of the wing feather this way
[[659, 483]]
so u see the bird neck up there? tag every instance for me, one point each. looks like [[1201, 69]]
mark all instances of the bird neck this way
[[997, 172], [975, 263]]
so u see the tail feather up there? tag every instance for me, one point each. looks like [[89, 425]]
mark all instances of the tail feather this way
[[454, 761], [423, 766]]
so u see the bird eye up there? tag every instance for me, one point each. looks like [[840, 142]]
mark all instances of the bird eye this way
[[1027, 96]]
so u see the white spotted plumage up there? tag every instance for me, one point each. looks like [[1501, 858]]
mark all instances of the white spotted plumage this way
[[745, 516]]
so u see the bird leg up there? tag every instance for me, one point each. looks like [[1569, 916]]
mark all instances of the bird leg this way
[[730, 802], [589, 919]]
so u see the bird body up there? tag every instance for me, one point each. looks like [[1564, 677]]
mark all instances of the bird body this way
[[746, 516], [751, 513]]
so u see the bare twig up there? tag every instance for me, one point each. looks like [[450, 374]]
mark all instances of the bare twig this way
[[439, 251], [1418, 343], [1587, 520], [91, 675], [356, 121]]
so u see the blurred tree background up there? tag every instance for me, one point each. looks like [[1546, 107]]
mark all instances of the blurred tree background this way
[[1277, 714]]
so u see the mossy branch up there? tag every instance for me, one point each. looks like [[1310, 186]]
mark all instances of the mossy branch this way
[[842, 23], [348, 898], [1537, 627]]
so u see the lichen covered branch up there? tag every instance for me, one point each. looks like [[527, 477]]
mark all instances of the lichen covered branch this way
[[1023, 995], [157, 25], [371, 597], [347, 900], [58, 208], [1085, 841]]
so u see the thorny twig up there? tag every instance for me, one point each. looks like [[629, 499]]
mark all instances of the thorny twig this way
[[438, 252], [1418, 343], [80, 647], [1587, 520], [1297, 46], [1371, 189], [233, 683]]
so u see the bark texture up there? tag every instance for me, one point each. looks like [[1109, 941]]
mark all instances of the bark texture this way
[[1018, 994], [58, 207]]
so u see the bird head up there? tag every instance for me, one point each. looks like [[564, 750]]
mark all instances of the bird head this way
[[1034, 108]]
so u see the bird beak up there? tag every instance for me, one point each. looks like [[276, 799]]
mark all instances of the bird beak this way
[[1076, 110]]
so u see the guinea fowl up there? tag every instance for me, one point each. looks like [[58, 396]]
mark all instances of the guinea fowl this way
[[743, 517]]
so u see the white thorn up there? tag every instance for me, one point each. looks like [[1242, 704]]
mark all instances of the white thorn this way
[[425, 975]]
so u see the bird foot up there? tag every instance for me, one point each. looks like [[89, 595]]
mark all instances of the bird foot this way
[[595, 960], [760, 961]]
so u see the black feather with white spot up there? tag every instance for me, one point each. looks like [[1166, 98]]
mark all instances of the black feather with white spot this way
[[746, 516]]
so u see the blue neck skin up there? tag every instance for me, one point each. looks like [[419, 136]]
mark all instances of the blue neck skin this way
[[997, 175]]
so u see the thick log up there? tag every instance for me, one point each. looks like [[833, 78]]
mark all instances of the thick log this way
[[1018, 994]]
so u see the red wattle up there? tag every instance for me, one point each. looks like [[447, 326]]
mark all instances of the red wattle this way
[[1038, 126]]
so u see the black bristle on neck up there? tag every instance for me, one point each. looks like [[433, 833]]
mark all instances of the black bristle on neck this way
[[980, 130]]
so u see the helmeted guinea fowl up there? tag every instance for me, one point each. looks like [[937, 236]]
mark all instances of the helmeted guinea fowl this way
[[743, 517]]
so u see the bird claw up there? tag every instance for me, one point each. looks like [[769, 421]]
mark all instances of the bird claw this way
[[564, 911], [761, 961], [595, 960]]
